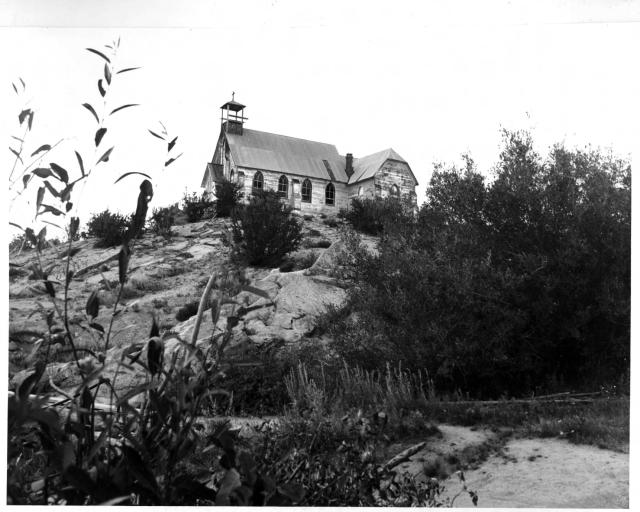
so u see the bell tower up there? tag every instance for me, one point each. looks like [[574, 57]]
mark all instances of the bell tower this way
[[232, 116]]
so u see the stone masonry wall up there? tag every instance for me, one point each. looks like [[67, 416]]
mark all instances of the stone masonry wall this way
[[395, 173]]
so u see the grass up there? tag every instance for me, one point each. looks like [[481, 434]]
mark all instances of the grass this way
[[601, 422], [394, 396]]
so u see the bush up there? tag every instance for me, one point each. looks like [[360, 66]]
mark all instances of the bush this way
[[109, 228], [264, 230], [187, 311], [162, 219], [228, 196], [197, 207], [370, 215], [517, 286], [20, 243], [317, 244]]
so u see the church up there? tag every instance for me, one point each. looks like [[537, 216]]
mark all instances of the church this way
[[311, 176]]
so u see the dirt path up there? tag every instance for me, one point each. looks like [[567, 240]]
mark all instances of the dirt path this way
[[549, 473]]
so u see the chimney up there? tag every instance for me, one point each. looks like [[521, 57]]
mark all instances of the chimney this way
[[349, 165]]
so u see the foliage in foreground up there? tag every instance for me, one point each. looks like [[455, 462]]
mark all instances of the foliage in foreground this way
[[144, 445], [265, 231], [517, 286]]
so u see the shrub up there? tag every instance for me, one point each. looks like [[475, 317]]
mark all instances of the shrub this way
[[109, 228], [162, 219], [197, 207], [317, 244], [515, 286], [264, 230], [370, 215], [20, 243], [187, 311], [298, 261], [307, 217], [228, 196]]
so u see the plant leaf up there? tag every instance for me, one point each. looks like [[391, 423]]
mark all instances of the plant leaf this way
[[93, 304], [129, 174], [90, 109], [50, 188], [99, 134], [123, 262], [97, 327], [23, 115], [66, 192], [123, 107], [105, 156], [17, 154], [15, 225], [229, 483], [80, 163], [156, 135], [107, 74], [101, 88], [126, 69], [25, 179], [171, 160], [31, 114], [60, 171], [39, 198], [42, 172], [171, 144], [100, 54], [53, 224], [44, 147], [48, 208], [14, 87]]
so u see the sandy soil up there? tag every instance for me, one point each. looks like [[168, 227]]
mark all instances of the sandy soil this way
[[532, 473], [548, 473]]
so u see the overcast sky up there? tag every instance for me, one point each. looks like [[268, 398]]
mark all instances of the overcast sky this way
[[429, 79]]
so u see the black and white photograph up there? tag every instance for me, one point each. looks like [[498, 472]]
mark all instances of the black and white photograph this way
[[336, 253]]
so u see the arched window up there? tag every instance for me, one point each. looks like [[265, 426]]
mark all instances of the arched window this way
[[360, 191], [306, 191], [283, 186], [241, 178], [330, 194], [231, 176], [395, 192], [258, 181]]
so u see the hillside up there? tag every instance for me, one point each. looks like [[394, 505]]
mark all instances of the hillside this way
[[166, 280]]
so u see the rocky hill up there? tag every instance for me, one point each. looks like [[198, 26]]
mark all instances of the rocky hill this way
[[166, 279]]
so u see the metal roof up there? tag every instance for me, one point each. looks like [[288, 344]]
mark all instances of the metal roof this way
[[280, 153], [367, 166], [233, 105]]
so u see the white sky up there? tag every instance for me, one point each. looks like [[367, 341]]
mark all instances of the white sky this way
[[430, 79]]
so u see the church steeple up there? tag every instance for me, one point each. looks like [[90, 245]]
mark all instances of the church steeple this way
[[232, 116]]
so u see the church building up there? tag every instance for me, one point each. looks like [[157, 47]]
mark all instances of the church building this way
[[311, 176]]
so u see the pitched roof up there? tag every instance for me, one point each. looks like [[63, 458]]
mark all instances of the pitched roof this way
[[367, 166], [279, 153]]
